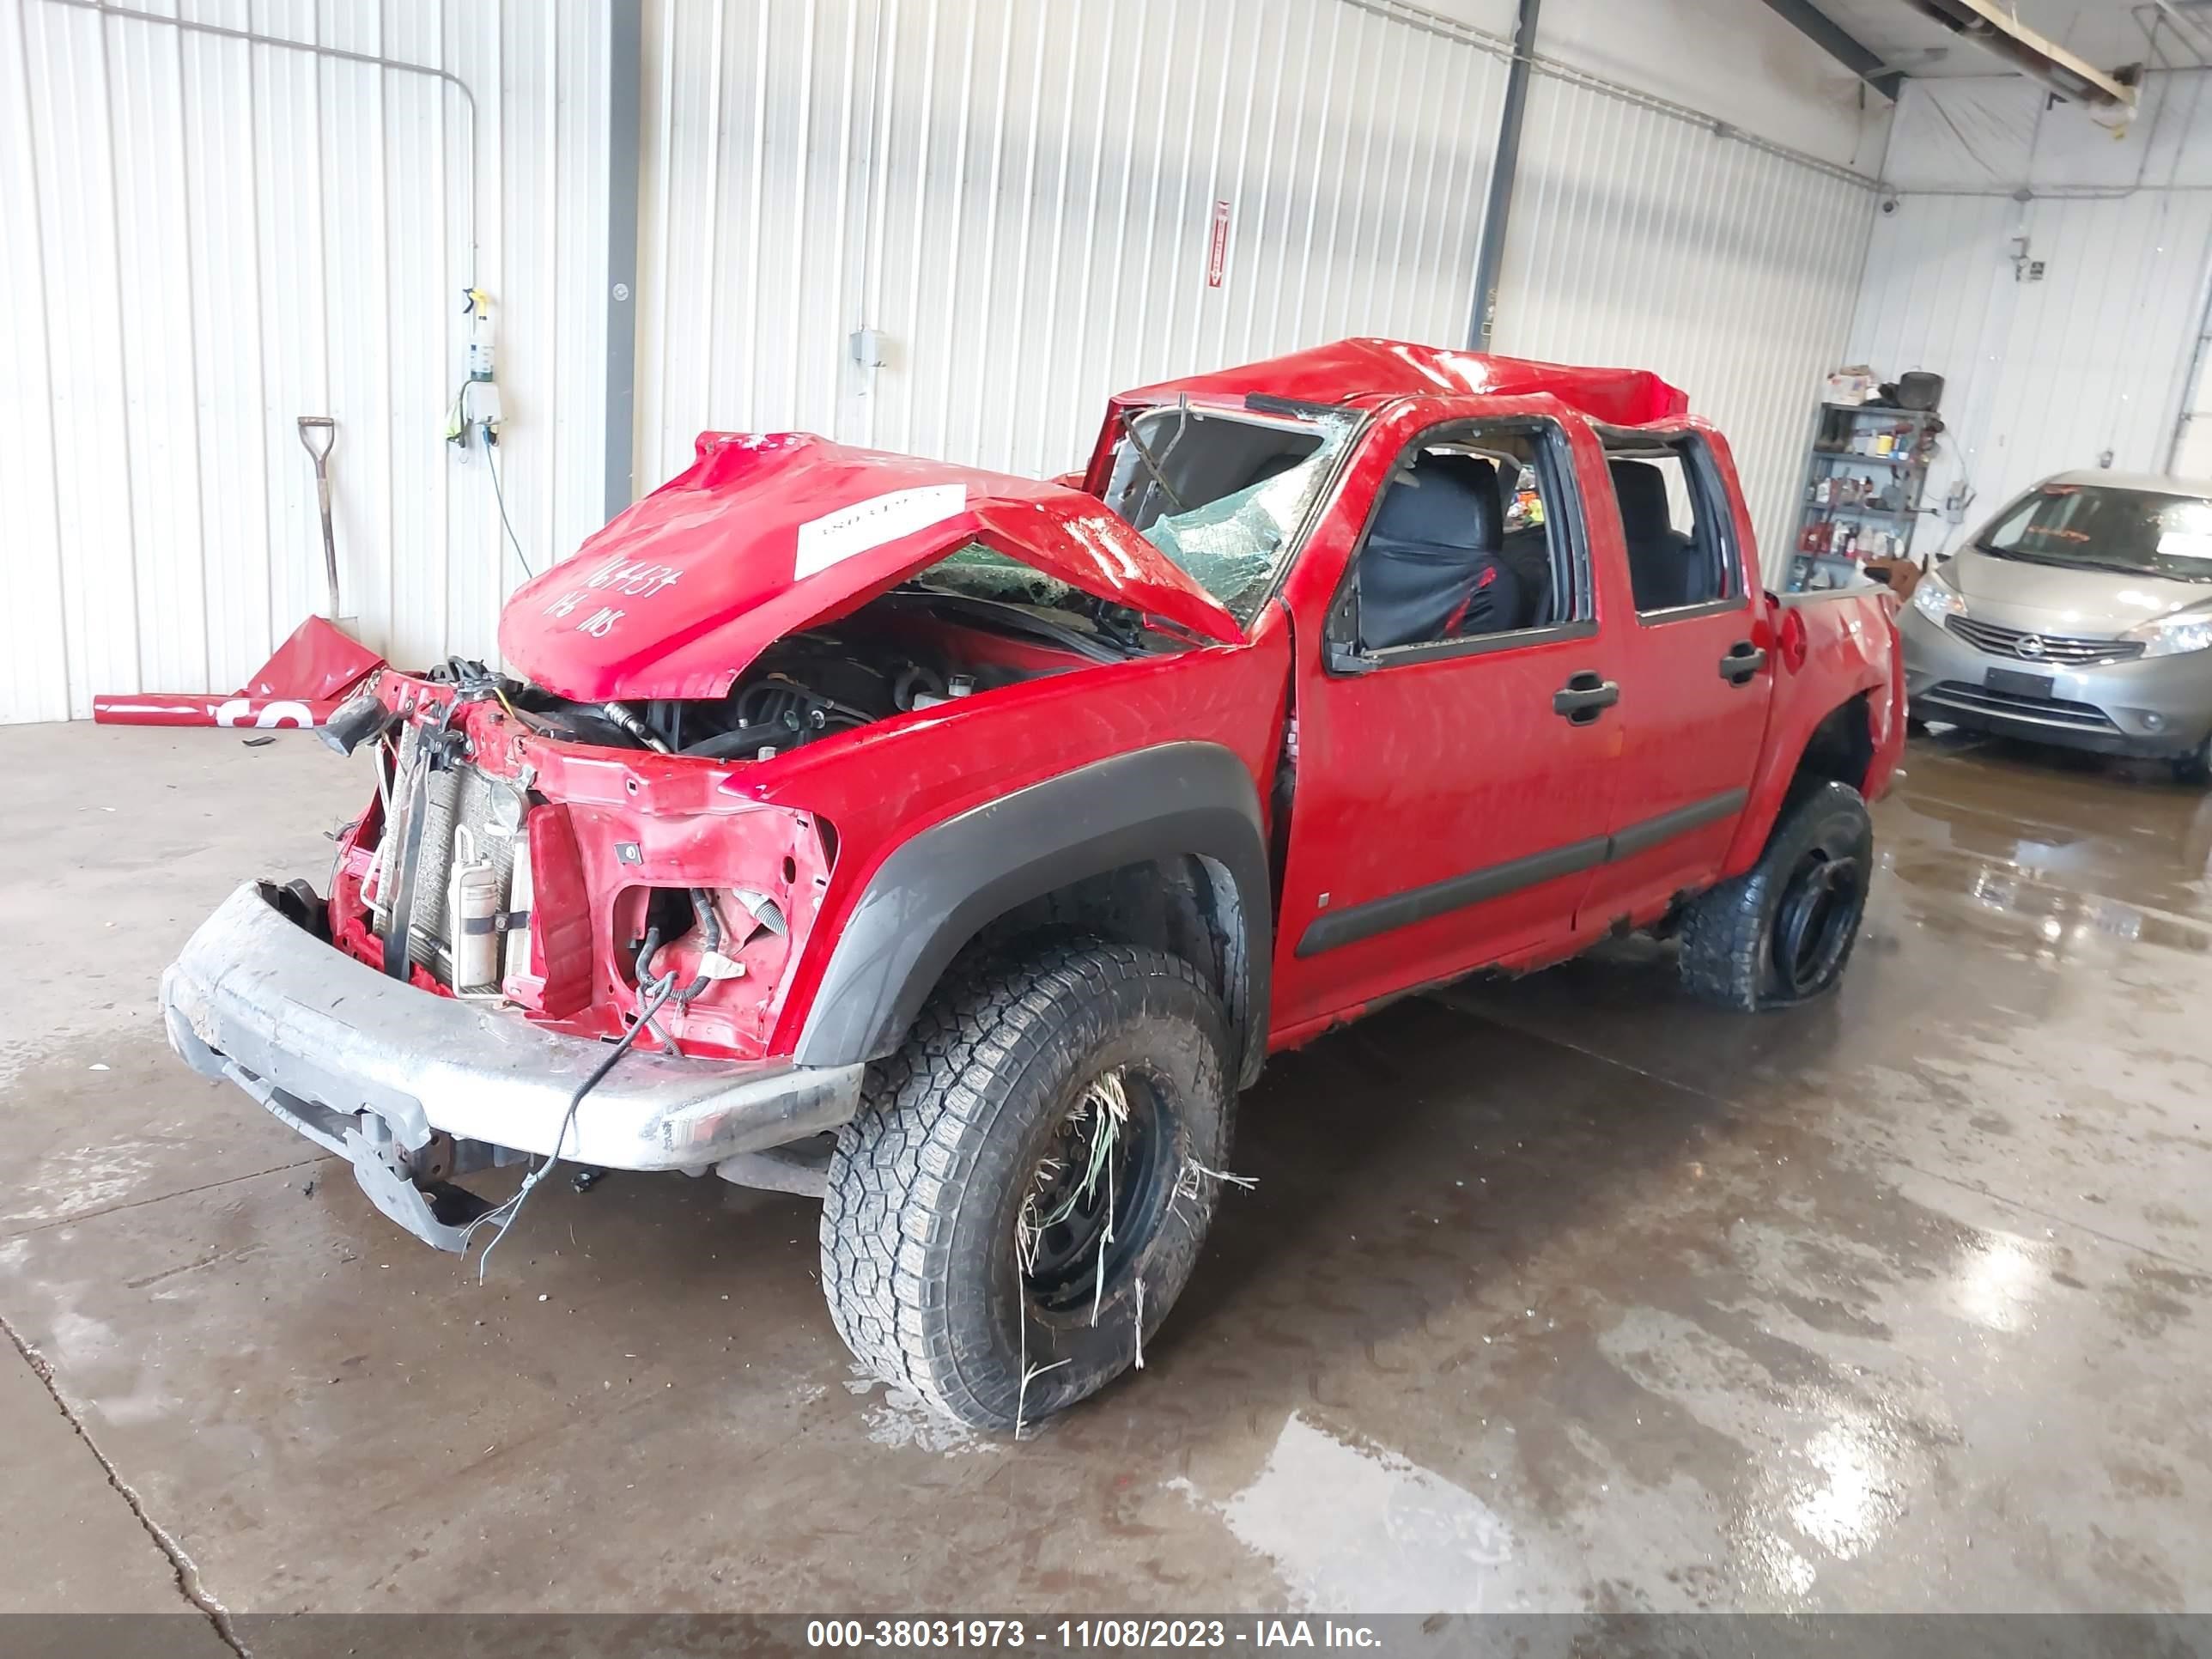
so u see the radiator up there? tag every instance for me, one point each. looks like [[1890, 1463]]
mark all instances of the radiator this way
[[455, 798]]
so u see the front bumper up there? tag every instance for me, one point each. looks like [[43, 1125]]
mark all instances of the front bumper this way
[[366, 1065], [2153, 708]]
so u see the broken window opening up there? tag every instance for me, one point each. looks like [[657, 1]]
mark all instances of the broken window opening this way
[[1673, 520], [1224, 495]]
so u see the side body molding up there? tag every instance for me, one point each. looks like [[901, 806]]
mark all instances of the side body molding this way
[[939, 889]]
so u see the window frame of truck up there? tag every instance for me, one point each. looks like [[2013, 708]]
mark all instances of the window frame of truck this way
[[1693, 729], [1401, 868]]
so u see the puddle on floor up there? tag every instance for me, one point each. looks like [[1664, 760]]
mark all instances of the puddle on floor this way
[[1349, 1529]]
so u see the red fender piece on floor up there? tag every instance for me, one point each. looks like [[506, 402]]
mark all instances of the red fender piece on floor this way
[[314, 670]]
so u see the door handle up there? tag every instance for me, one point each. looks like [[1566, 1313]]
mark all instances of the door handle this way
[[1584, 697], [1743, 660]]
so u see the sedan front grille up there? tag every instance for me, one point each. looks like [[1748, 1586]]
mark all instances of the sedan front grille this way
[[2045, 711], [2064, 650]]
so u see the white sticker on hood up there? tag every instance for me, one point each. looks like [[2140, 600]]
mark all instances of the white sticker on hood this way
[[838, 536]]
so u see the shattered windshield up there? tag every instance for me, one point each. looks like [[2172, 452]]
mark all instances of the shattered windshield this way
[[1224, 494]]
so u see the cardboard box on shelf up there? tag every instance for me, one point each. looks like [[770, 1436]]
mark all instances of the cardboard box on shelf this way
[[1853, 386]]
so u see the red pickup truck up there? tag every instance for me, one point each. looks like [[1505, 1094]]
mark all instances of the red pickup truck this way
[[956, 846]]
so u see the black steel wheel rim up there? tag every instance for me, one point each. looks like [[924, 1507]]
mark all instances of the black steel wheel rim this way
[[1819, 912], [1088, 1210]]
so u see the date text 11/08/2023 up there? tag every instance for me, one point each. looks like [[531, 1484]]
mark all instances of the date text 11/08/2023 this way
[[1087, 1634]]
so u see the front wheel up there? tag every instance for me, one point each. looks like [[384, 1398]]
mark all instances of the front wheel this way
[[2195, 768], [1022, 1196], [1781, 932]]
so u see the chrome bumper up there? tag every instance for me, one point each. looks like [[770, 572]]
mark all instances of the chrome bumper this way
[[364, 1064]]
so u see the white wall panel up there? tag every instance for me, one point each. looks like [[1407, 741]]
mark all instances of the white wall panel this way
[[2093, 360], [2192, 442], [34, 665], [1020, 199], [210, 237], [1638, 239], [1745, 65], [222, 235]]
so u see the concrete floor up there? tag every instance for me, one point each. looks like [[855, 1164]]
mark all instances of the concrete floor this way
[[1565, 1294]]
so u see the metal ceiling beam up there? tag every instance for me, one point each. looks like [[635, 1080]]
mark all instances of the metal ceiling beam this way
[[625, 92], [1824, 32], [1991, 25], [1490, 255]]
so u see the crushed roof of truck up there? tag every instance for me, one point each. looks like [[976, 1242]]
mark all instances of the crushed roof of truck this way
[[1364, 369]]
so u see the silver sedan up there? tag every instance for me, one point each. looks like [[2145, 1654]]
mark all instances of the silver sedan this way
[[2081, 616]]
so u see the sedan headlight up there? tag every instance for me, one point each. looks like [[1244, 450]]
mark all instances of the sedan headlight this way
[[1935, 598], [2170, 636]]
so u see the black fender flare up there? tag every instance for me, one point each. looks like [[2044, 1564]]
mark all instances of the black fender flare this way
[[939, 889]]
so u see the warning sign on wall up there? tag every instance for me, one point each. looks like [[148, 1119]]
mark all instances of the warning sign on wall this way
[[1216, 247]]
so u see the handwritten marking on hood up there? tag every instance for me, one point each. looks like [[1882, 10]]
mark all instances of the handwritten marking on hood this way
[[838, 536], [638, 578]]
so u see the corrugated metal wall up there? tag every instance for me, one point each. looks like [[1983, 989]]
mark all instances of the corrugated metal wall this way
[[2192, 442], [1638, 238], [217, 236], [207, 238], [1022, 200], [2089, 361]]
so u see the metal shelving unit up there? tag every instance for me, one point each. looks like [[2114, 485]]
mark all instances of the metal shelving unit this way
[[1859, 501]]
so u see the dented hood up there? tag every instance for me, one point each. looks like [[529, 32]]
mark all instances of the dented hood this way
[[767, 535]]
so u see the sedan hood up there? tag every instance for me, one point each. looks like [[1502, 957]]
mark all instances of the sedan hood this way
[[2065, 598], [767, 535]]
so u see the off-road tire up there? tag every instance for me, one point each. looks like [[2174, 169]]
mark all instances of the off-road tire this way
[[1729, 934], [919, 1260]]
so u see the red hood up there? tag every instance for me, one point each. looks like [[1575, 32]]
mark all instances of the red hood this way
[[765, 535]]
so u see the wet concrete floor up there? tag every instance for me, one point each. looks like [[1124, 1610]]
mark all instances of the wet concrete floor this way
[[1563, 1294]]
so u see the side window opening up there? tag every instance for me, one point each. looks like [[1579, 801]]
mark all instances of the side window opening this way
[[1672, 521], [1468, 542]]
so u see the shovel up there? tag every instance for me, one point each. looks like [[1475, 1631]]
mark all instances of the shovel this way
[[312, 673], [318, 433]]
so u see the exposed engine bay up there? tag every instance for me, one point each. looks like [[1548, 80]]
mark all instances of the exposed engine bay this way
[[975, 622], [448, 884]]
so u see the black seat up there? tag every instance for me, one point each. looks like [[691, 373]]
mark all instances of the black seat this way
[[1526, 552], [1430, 570], [1665, 569]]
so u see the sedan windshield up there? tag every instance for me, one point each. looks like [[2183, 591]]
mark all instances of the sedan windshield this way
[[2097, 527], [1224, 495]]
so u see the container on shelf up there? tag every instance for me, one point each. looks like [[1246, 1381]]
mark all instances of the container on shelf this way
[[1864, 476]]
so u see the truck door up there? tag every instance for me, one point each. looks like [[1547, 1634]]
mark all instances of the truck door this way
[[1454, 716], [1696, 669]]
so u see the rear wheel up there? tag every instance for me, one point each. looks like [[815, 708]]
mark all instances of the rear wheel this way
[[1022, 1196], [1782, 931]]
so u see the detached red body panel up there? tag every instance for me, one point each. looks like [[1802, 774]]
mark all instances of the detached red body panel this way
[[303, 683]]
